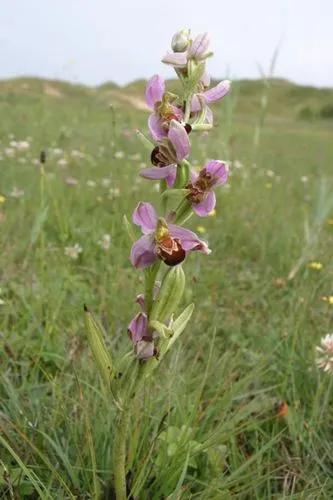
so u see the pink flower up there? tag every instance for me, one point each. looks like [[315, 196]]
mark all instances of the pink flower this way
[[161, 240], [168, 153], [142, 338], [201, 100], [201, 195], [164, 112], [198, 49]]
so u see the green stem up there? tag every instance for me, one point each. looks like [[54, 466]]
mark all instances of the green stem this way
[[183, 211], [150, 277], [119, 454], [121, 431]]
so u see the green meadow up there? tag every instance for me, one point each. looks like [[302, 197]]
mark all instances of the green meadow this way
[[238, 408]]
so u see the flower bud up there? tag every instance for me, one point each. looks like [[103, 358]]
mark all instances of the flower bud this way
[[180, 41], [170, 295], [97, 345]]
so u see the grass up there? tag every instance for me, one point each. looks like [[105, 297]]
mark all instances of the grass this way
[[207, 425]]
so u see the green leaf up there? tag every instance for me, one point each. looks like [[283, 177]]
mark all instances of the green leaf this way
[[96, 334], [194, 79], [161, 329], [180, 323], [173, 193], [129, 229], [38, 225]]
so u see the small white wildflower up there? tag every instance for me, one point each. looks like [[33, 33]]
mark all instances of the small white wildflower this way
[[57, 151], [114, 192], [134, 157], [2, 302], [237, 164], [105, 242], [73, 251], [91, 184], [10, 152], [77, 154], [105, 182], [270, 173], [71, 181], [16, 192], [119, 155], [304, 179], [62, 162], [325, 350], [22, 145]]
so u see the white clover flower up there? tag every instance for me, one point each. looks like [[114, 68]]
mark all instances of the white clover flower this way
[[114, 192], [73, 251], [119, 155], [237, 164], [16, 192], [22, 145], [10, 152], [325, 350], [134, 157], [91, 184], [77, 154], [57, 151], [62, 162], [105, 242], [71, 181], [105, 182]]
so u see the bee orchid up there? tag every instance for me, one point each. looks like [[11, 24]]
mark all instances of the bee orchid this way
[[161, 240], [168, 153]]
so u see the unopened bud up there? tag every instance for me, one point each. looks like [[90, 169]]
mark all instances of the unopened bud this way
[[180, 40], [42, 157], [170, 295]]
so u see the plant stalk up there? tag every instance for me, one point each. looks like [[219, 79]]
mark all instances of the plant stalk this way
[[119, 454]]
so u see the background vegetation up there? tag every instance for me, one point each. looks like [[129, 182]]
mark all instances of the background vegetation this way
[[212, 424]]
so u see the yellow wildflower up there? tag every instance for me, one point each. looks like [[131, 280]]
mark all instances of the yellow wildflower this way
[[315, 265], [330, 222], [2, 199], [201, 229], [328, 299]]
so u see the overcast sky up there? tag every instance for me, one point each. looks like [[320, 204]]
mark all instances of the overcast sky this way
[[93, 41]]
